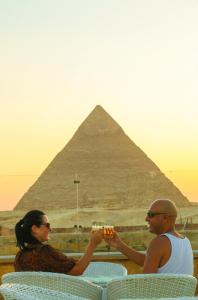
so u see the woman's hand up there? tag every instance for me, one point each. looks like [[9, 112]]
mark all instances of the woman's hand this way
[[96, 237]]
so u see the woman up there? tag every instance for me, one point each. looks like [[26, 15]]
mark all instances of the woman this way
[[31, 232]]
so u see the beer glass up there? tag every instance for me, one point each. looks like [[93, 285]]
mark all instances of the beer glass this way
[[96, 227], [108, 231]]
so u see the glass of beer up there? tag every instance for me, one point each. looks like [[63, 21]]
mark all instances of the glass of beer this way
[[96, 227], [108, 231]]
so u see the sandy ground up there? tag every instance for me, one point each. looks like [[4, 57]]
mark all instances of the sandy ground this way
[[86, 217]]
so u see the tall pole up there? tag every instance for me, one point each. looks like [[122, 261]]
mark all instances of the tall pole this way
[[76, 181]]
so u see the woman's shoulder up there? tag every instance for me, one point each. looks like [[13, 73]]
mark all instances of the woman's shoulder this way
[[48, 249], [37, 248]]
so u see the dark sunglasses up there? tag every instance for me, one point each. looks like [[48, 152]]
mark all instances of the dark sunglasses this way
[[46, 225], [152, 214]]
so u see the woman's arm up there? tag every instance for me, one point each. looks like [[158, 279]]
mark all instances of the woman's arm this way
[[84, 261]]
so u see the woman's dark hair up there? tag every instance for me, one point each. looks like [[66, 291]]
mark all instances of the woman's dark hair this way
[[23, 229]]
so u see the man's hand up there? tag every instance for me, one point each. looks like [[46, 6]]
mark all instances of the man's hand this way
[[116, 242], [113, 241]]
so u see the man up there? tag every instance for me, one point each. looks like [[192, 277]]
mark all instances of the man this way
[[168, 252]]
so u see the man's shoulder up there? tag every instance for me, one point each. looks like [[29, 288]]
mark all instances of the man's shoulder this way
[[159, 241]]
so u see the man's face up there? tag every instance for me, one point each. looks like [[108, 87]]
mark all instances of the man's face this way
[[155, 218]]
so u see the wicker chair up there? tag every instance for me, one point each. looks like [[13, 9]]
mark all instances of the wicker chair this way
[[14, 291], [105, 269], [151, 286], [57, 282], [177, 298]]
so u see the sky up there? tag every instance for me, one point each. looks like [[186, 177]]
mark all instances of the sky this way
[[59, 59]]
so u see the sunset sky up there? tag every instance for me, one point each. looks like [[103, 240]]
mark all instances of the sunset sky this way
[[59, 59]]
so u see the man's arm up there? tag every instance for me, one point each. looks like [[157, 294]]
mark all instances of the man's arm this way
[[157, 254], [131, 253]]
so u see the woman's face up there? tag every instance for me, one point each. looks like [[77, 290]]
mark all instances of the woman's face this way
[[41, 232]]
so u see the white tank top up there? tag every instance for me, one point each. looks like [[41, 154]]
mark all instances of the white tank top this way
[[181, 259]]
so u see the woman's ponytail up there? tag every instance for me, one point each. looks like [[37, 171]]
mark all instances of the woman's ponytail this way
[[19, 231]]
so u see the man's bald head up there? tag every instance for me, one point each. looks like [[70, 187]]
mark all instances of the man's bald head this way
[[165, 206]]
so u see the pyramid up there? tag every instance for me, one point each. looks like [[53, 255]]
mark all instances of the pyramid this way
[[114, 173]]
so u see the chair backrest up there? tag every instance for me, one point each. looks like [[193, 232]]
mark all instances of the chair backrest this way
[[151, 286], [105, 269], [56, 281], [17, 291]]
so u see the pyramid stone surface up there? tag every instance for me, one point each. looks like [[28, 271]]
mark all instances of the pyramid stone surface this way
[[114, 173]]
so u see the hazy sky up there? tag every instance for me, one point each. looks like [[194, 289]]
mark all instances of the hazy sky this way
[[59, 59]]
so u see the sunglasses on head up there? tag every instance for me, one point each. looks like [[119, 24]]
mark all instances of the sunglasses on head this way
[[46, 225], [152, 214]]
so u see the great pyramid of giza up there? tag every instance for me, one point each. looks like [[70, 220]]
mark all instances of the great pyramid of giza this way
[[113, 172]]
